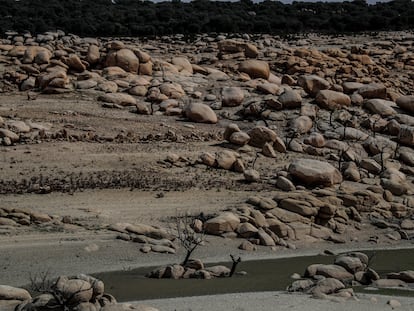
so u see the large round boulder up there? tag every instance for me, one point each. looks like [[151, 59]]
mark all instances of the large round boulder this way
[[183, 65], [312, 84], [172, 90], [75, 63], [380, 106], [406, 103], [5, 133], [291, 99], [352, 264], [230, 129], [314, 172], [200, 113], [74, 291], [232, 96], [93, 55], [261, 135], [37, 54], [124, 58], [226, 222], [334, 271], [226, 159], [373, 90], [255, 68], [301, 124]]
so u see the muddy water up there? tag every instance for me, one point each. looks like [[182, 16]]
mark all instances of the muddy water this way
[[262, 275]]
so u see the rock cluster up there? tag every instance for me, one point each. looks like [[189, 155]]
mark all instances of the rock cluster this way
[[14, 218], [323, 214], [80, 293], [193, 269], [151, 238], [13, 131], [333, 281]]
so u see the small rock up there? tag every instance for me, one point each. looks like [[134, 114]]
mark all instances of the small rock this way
[[251, 175], [393, 303], [247, 246], [232, 96]]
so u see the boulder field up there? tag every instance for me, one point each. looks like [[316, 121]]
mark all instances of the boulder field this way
[[318, 131]]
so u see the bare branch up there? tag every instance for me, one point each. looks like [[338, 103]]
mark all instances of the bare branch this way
[[234, 265], [188, 237]]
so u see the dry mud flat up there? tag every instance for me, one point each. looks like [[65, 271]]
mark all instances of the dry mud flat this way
[[304, 143]]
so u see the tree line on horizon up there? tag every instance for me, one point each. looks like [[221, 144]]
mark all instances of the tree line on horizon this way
[[146, 18]]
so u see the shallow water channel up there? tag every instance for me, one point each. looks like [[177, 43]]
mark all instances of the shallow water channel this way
[[262, 275]]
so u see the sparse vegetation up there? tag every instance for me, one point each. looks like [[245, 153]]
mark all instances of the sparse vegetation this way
[[187, 235]]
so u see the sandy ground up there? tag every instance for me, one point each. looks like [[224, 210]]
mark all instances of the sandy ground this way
[[265, 301], [84, 247]]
